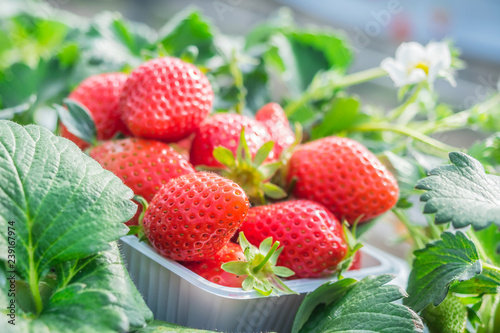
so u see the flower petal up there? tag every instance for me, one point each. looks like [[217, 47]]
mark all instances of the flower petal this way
[[439, 52], [448, 76], [396, 71], [409, 54]]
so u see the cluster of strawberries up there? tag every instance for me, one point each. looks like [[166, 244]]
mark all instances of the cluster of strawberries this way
[[193, 217]]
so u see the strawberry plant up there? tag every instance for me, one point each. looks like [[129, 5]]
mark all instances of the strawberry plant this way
[[138, 101]]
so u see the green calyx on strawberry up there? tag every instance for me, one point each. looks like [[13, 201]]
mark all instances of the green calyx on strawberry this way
[[353, 245], [260, 267], [251, 174], [137, 229]]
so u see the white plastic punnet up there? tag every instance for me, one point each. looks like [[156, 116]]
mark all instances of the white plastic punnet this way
[[177, 295]]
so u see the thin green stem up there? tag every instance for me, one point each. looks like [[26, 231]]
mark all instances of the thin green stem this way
[[267, 257], [459, 119], [360, 77], [404, 130], [415, 233], [479, 246], [399, 111], [238, 82], [435, 231], [325, 90], [491, 267]]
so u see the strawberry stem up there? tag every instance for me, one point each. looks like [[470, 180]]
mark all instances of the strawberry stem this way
[[273, 249]]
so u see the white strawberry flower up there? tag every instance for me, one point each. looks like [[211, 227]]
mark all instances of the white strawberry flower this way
[[415, 63]]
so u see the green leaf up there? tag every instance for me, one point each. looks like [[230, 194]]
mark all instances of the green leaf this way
[[224, 156], [136, 36], [20, 84], [187, 28], [486, 283], [69, 53], [354, 306], [462, 193], [94, 294], [452, 258], [64, 204], [9, 113], [107, 272], [78, 120], [343, 114], [77, 308], [158, 326], [305, 52], [117, 34], [236, 267], [273, 191], [263, 153], [487, 151]]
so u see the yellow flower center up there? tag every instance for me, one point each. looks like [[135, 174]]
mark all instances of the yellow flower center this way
[[423, 67]]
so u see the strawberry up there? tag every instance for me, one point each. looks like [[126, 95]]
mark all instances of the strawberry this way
[[211, 270], [100, 94], [224, 129], [194, 216], [183, 146], [259, 267], [143, 165], [313, 239], [274, 119], [344, 176], [165, 99]]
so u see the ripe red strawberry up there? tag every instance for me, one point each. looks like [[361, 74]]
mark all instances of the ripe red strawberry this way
[[143, 165], [211, 270], [165, 99], [194, 216], [100, 95], [274, 119], [344, 176], [313, 239], [224, 129]]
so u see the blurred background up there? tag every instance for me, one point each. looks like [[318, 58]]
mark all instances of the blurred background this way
[[374, 29]]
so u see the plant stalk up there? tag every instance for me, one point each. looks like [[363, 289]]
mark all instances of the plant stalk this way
[[34, 286], [491, 267], [267, 257], [400, 129], [320, 92]]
